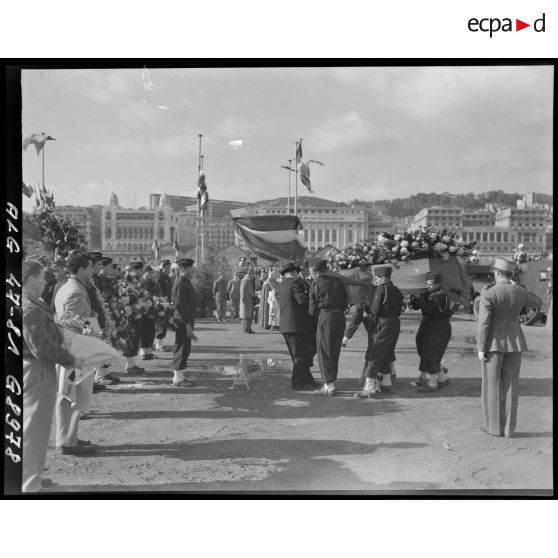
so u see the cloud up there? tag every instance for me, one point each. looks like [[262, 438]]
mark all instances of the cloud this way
[[341, 132]]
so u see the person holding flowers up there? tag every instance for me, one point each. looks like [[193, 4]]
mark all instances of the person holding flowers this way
[[130, 297], [151, 291], [42, 350]]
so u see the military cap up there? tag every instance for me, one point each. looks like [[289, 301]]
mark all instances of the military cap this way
[[147, 269], [291, 266], [97, 256], [164, 263], [184, 262], [136, 265], [383, 271], [434, 276], [504, 265], [105, 260], [317, 263]]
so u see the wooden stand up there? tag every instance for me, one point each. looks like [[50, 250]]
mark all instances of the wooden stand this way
[[241, 377]]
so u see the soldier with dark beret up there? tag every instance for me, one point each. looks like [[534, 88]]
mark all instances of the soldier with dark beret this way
[[383, 334], [500, 342], [296, 325], [184, 300], [328, 302], [434, 333]]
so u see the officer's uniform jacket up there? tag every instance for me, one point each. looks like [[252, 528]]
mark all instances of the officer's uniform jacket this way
[[184, 300]]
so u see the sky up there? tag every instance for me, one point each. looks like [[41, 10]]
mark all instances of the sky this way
[[381, 133]]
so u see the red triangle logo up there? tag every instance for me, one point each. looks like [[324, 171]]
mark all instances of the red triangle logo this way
[[519, 25]]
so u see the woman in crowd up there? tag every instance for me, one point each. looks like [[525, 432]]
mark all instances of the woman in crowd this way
[[42, 350]]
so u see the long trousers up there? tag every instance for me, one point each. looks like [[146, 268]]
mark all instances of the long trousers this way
[[500, 392], [235, 306], [221, 306], [67, 415], [39, 398], [299, 349], [355, 318], [247, 324], [182, 347], [329, 336], [147, 332]]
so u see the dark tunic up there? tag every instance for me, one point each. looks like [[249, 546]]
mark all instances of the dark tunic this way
[[184, 299], [384, 331], [149, 319], [96, 299], [328, 301], [434, 332], [165, 289], [296, 326]]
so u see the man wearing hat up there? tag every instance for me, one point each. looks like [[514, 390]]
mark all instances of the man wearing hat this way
[[184, 300], [328, 302], [385, 309], [434, 332], [165, 287], [500, 342], [296, 325], [247, 299], [134, 329]]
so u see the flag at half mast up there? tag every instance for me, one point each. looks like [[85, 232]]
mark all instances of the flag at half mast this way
[[273, 237], [304, 168], [156, 249], [203, 196], [38, 140]]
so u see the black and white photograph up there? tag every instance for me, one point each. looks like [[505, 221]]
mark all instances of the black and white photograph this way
[[283, 279]]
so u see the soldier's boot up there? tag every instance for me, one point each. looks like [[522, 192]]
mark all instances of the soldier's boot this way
[[385, 383], [371, 388], [432, 384]]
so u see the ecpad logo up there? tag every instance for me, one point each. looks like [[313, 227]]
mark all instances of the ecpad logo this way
[[493, 25]]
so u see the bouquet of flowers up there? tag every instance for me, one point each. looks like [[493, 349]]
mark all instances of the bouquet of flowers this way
[[425, 242]]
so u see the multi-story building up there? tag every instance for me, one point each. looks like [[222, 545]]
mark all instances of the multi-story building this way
[[440, 217], [130, 233], [336, 226], [216, 208], [503, 241], [471, 218], [88, 220], [529, 218]]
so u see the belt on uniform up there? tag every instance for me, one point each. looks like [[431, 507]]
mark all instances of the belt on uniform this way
[[332, 311]]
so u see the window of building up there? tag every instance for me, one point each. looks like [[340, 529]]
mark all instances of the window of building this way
[[334, 235], [349, 236], [320, 235], [485, 237], [491, 237], [161, 233], [313, 235]]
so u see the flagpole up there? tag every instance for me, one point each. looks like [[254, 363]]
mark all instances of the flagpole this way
[[296, 179], [198, 204], [289, 202], [202, 224], [44, 147]]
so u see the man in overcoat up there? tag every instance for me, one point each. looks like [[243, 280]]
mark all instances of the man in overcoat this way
[[165, 286], [500, 342], [220, 295], [233, 290], [247, 296], [296, 326]]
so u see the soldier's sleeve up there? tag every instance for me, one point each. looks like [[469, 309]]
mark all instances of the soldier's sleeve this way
[[313, 309], [485, 317], [299, 292], [376, 305]]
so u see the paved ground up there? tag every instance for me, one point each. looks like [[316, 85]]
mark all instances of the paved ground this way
[[153, 437]]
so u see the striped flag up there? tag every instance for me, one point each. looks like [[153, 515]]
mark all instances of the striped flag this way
[[156, 250], [203, 196], [304, 168], [273, 237], [38, 140], [27, 190], [175, 246]]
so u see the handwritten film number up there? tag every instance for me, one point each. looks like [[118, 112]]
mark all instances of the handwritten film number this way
[[13, 385]]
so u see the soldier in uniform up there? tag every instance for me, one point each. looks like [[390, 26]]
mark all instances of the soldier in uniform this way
[[383, 333], [434, 332], [165, 287], [247, 296], [184, 300], [296, 326], [500, 343], [133, 332], [148, 321], [328, 302]]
